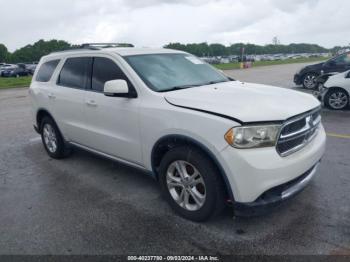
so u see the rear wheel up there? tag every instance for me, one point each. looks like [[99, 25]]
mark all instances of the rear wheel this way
[[191, 183], [52, 139], [309, 81], [336, 99]]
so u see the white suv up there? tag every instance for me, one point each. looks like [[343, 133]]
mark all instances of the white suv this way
[[206, 138]]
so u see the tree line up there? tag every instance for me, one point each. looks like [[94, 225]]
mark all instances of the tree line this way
[[205, 49], [34, 52]]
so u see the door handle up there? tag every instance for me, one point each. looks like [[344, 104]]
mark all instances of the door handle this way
[[91, 102], [51, 96]]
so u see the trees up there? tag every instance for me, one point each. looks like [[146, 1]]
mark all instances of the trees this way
[[218, 50], [34, 52], [203, 49], [31, 53], [3, 53]]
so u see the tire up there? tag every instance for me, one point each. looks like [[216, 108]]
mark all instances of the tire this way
[[52, 139], [336, 99], [208, 184], [309, 81]]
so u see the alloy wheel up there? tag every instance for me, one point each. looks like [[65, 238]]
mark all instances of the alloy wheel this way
[[186, 185], [310, 81], [338, 100], [50, 138]]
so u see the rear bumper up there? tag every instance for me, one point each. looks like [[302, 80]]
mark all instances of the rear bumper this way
[[276, 195]]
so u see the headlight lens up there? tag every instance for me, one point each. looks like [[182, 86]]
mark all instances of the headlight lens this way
[[252, 136]]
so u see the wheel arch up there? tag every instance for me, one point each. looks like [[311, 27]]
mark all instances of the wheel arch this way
[[338, 87], [310, 72], [166, 143], [41, 113]]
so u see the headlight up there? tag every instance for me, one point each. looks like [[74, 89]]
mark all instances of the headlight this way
[[252, 136]]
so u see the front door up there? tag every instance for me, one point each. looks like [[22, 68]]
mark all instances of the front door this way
[[112, 123]]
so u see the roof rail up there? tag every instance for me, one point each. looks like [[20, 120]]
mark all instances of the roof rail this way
[[93, 46], [96, 46]]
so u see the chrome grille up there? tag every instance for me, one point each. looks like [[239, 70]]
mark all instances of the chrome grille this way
[[298, 132]]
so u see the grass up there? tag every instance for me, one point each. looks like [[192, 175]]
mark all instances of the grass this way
[[12, 82], [236, 65]]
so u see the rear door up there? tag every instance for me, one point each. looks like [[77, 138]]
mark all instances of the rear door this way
[[112, 123], [42, 87], [69, 97]]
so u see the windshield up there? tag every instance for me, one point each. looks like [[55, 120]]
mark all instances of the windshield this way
[[166, 72]]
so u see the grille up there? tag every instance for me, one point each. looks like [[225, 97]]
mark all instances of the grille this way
[[298, 132]]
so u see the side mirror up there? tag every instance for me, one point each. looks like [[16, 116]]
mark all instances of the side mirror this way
[[117, 88], [347, 75]]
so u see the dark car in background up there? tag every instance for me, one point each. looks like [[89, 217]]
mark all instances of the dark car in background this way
[[308, 75], [15, 71], [31, 67]]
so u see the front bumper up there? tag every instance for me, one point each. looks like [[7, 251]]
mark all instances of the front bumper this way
[[6, 74], [297, 79], [276, 195], [252, 172], [320, 94]]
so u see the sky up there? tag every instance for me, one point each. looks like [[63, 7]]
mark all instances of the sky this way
[[154, 23]]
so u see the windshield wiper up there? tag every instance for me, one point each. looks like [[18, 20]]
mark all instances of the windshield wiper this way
[[215, 82], [189, 86], [178, 88]]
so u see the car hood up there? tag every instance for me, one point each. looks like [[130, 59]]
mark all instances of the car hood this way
[[314, 66], [244, 102]]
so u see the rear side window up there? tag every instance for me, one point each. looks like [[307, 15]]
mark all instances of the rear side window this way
[[75, 73], [46, 70], [105, 70]]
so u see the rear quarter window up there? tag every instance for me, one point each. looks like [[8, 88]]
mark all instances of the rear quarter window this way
[[46, 70]]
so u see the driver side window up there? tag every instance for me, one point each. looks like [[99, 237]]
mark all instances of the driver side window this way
[[104, 70]]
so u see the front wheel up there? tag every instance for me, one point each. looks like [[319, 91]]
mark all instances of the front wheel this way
[[52, 139], [336, 99], [309, 81], [191, 183]]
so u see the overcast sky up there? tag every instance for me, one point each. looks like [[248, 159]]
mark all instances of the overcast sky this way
[[154, 23]]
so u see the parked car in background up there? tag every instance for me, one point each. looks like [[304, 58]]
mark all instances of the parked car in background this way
[[335, 91], [307, 76], [202, 135], [16, 71], [6, 67], [31, 67]]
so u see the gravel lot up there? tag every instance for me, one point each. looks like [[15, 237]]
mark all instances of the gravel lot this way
[[88, 205]]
